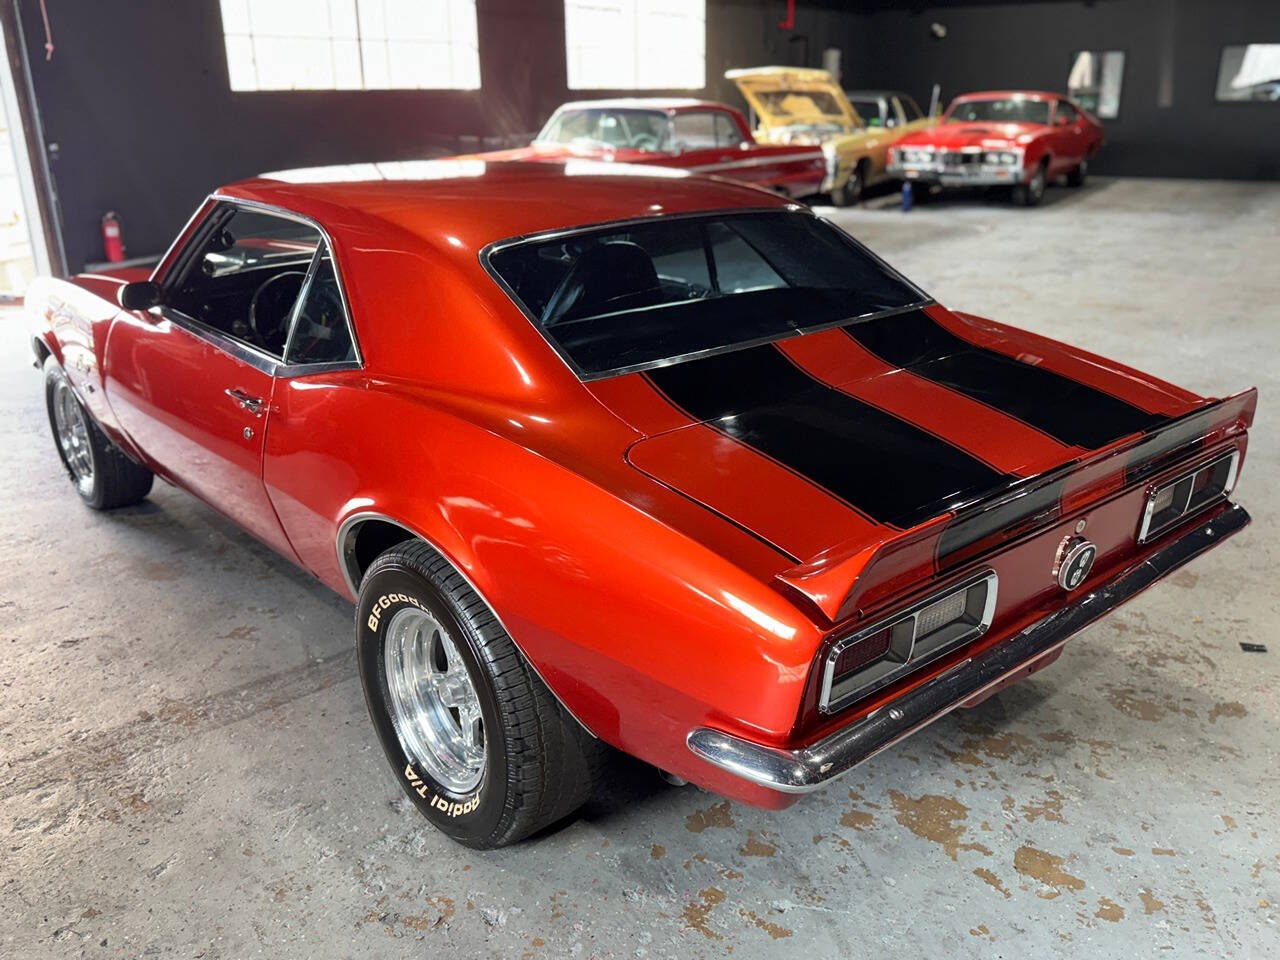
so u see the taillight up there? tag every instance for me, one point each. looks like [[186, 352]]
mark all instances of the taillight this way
[[1188, 493], [888, 650]]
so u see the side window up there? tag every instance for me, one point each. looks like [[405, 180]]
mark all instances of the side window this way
[[246, 277], [694, 131], [1068, 111], [896, 106], [868, 111], [320, 332], [727, 132], [909, 109]]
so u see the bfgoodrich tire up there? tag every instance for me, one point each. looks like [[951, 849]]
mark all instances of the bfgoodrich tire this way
[[103, 475], [474, 737]]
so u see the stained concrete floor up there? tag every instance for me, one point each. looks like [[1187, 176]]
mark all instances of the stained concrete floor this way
[[188, 771]]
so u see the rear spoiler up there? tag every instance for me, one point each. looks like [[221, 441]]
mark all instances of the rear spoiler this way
[[855, 576]]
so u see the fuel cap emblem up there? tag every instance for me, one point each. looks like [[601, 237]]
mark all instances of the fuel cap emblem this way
[[1075, 560]]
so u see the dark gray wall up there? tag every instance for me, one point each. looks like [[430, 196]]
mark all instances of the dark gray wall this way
[[1031, 45], [137, 100]]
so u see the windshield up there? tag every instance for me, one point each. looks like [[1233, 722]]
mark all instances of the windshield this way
[[644, 294], [1008, 110], [868, 110], [609, 127]]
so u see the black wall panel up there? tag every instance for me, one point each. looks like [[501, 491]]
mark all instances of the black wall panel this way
[[137, 101], [1176, 43]]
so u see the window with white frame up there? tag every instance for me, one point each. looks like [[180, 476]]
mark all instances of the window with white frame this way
[[636, 44], [351, 44]]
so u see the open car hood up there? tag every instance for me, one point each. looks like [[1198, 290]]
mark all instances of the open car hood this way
[[795, 97]]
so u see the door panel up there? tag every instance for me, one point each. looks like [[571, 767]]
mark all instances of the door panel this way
[[169, 389]]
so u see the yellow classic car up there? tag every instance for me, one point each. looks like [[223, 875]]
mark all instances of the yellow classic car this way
[[802, 105]]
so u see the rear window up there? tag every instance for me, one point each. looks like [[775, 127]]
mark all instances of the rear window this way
[[642, 295]]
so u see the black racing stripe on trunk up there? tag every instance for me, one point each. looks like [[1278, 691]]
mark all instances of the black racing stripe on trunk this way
[[1027, 505], [883, 467], [1067, 410]]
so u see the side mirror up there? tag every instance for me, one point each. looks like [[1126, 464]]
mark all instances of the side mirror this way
[[139, 295]]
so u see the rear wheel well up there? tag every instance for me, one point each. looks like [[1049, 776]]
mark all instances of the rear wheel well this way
[[367, 541]]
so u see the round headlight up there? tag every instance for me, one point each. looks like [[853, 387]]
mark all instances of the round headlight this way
[[993, 158], [1009, 158]]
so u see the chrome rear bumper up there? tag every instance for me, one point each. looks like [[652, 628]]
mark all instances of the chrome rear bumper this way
[[808, 768]]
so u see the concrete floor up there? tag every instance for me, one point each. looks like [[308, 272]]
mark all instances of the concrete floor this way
[[188, 770]]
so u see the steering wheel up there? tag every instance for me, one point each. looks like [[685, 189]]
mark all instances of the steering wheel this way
[[644, 141], [270, 307], [318, 322]]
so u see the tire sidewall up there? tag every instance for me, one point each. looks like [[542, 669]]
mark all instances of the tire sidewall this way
[[54, 376], [1037, 185], [389, 588], [853, 188]]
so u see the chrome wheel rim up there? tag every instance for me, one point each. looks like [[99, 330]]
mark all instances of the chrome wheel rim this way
[[435, 709], [73, 437], [1037, 183]]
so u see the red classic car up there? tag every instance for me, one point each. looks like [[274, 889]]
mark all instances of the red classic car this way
[[1018, 139], [669, 465], [699, 136]]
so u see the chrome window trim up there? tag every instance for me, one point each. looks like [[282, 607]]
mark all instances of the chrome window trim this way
[[245, 352], [346, 560], [827, 705], [1145, 532], [173, 244], [488, 250]]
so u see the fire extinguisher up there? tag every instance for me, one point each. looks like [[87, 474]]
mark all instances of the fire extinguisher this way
[[112, 243]]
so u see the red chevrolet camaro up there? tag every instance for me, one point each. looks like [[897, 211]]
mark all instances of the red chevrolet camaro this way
[[696, 136], [1018, 139], [669, 465]]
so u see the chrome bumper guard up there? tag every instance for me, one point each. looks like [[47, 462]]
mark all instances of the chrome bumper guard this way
[[808, 768]]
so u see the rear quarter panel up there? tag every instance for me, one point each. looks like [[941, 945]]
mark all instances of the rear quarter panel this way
[[641, 630]]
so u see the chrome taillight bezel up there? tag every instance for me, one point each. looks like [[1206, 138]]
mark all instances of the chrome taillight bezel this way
[[836, 694], [1153, 524]]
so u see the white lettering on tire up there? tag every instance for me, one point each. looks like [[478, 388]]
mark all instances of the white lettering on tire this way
[[451, 808]]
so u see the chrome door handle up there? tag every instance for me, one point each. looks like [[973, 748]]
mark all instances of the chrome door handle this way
[[245, 402]]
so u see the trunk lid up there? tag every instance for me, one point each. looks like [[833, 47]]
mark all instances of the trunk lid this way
[[833, 444]]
